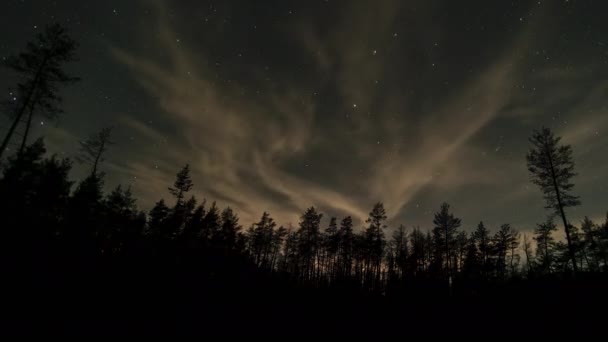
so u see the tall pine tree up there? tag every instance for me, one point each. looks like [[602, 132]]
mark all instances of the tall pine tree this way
[[41, 68], [552, 169]]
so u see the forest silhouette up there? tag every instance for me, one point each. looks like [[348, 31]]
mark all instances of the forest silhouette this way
[[79, 260]]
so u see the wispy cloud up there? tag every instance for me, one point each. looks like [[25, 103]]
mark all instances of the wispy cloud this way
[[250, 150]]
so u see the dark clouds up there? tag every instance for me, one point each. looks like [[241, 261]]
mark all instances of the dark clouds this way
[[281, 105]]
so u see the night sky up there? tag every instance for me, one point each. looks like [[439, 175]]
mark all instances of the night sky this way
[[280, 105]]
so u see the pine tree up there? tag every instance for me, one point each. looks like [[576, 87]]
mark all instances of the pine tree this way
[[183, 184], [92, 149], [545, 245], [277, 238], [84, 219], [374, 237], [578, 243], [418, 251], [34, 193], [552, 168], [211, 225], [260, 240], [158, 217], [461, 244], [346, 246], [121, 202], [502, 244], [513, 244], [309, 242], [446, 226], [399, 243], [331, 246], [40, 67], [290, 253], [482, 239], [527, 248], [193, 228], [595, 243], [230, 228], [123, 224], [472, 265]]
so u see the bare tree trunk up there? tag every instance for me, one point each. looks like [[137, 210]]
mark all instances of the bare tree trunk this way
[[98, 157], [512, 257], [447, 251], [28, 125], [527, 252], [563, 215], [21, 111]]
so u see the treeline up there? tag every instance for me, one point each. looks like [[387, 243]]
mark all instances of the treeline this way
[[40, 209], [69, 245], [37, 193]]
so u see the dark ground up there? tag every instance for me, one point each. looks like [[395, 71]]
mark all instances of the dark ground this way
[[119, 300]]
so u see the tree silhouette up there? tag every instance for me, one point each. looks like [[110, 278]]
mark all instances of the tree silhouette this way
[[226, 237], [157, 218], [399, 244], [594, 244], [193, 228], [527, 248], [85, 224], [92, 149], [552, 169], [375, 241], [481, 237], [182, 210], [211, 225], [472, 265], [545, 252], [69, 244], [331, 246], [308, 243], [277, 239], [41, 67], [446, 226], [346, 247], [124, 224], [291, 260], [183, 184], [503, 240], [460, 249], [513, 243], [261, 239], [34, 193]]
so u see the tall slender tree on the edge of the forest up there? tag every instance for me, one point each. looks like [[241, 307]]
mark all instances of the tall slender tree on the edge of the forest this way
[[545, 245], [374, 238], [309, 243], [92, 149], [183, 184], [552, 168], [41, 68], [346, 247], [446, 224]]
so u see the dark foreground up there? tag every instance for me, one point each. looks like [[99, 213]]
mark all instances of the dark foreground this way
[[112, 300]]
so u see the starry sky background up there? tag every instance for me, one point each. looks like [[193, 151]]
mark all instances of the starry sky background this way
[[280, 105]]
